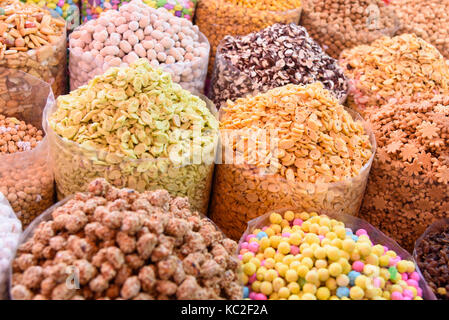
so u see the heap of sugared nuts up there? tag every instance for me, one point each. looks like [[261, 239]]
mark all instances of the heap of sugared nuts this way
[[121, 244]]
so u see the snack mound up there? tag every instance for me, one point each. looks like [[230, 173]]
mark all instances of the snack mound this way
[[122, 244], [267, 5], [393, 68], [135, 112], [305, 256], [17, 136], [318, 140]]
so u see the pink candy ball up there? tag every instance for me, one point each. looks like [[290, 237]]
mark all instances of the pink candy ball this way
[[294, 250], [248, 237], [240, 257], [253, 246], [360, 232], [260, 296], [252, 278], [414, 276], [419, 291], [358, 266], [407, 293], [297, 222], [404, 276], [412, 283], [286, 234], [244, 245], [252, 295], [396, 296]]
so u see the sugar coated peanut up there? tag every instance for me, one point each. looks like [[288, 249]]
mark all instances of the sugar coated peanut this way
[[145, 132], [300, 278], [119, 37], [294, 146], [123, 244], [34, 42]]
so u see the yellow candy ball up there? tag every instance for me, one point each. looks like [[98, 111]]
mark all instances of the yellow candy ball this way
[[356, 293], [323, 274], [348, 245], [270, 275], [320, 253], [266, 288], [321, 263], [274, 296], [281, 268], [362, 281], [342, 280], [295, 238], [289, 215], [335, 269], [304, 216], [302, 271], [331, 235], [278, 257], [249, 268], [323, 230], [270, 232], [275, 241], [312, 276], [333, 253], [411, 267], [323, 293], [364, 248], [255, 261], [306, 261], [284, 293], [402, 266], [275, 218], [293, 287], [331, 284], [278, 283], [378, 250], [256, 286], [308, 296], [384, 261], [309, 288], [291, 275], [293, 297], [247, 256], [340, 232], [276, 228], [264, 243], [338, 243], [391, 253]]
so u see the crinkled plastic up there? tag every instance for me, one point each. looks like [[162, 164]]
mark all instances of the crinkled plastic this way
[[190, 75], [47, 62], [26, 178], [228, 82], [219, 18], [241, 193], [437, 226], [378, 20], [354, 223], [10, 230], [75, 167]]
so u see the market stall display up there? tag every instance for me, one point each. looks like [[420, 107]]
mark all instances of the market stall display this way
[[293, 146], [305, 256], [392, 68], [10, 230], [125, 245], [34, 42], [345, 24], [69, 10], [91, 9], [428, 19], [26, 178], [118, 38], [431, 253], [219, 18], [273, 57], [408, 187], [138, 129]]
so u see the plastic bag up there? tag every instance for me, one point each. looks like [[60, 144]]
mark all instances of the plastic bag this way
[[75, 167], [10, 230], [337, 27], [242, 194], [26, 178], [354, 223], [436, 227], [219, 18]]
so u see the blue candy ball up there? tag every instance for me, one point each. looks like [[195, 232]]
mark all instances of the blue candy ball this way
[[261, 235], [342, 292], [352, 275], [355, 238], [245, 292]]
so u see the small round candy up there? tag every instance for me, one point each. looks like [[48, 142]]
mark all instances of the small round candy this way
[[323, 293], [342, 292], [356, 293]]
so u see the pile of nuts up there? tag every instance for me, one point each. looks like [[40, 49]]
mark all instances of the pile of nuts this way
[[138, 129], [428, 19], [10, 231], [432, 255], [392, 68], [121, 244], [118, 38], [26, 178], [409, 181], [344, 24], [270, 58], [294, 146], [219, 18], [33, 41]]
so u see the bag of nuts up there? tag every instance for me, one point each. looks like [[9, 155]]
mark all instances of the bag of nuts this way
[[110, 243], [337, 25], [146, 133], [280, 151], [119, 37], [10, 231], [219, 18], [34, 42], [26, 178], [270, 58]]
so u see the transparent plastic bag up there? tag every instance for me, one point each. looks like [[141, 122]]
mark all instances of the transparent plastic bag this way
[[359, 23], [219, 18], [10, 230], [47, 62], [26, 178], [436, 227], [190, 75], [354, 223], [241, 193], [75, 167], [229, 83]]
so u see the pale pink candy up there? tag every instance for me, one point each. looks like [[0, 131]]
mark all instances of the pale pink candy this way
[[170, 60], [103, 21], [122, 28], [119, 21], [132, 39], [125, 46], [86, 36], [109, 50], [114, 39], [148, 44], [126, 34], [131, 57], [133, 25], [148, 30], [76, 51], [97, 45], [144, 22], [151, 54], [167, 42], [88, 57], [115, 62], [121, 54], [156, 34], [110, 28], [139, 49], [101, 36], [161, 56]]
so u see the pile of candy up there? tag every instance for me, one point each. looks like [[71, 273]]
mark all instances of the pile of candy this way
[[67, 9], [305, 256]]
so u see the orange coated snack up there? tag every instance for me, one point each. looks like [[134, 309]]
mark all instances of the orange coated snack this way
[[295, 146], [408, 187]]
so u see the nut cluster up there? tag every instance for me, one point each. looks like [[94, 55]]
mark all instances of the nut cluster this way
[[427, 19], [137, 129], [270, 58], [119, 37], [432, 256], [344, 24], [17, 136], [317, 157], [397, 67], [33, 41], [121, 244], [409, 182], [219, 18]]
